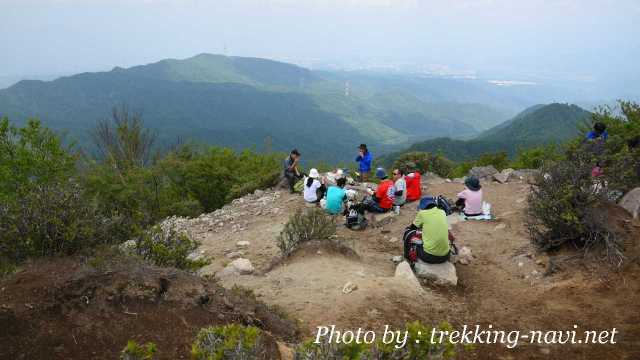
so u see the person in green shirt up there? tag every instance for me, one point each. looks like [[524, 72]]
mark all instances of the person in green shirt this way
[[432, 221]]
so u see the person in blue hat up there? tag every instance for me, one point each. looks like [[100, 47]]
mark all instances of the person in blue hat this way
[[382, 199], [435, 242]]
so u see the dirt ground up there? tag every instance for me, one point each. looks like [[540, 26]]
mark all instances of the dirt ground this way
[[508, 286], [65, 309]]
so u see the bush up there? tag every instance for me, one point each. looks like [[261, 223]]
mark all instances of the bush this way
[[168, 248], [134, 351], [303, 226], [535, 158], [418, 346], [568, 207], [43, 208], [425, 162], [228, 342]]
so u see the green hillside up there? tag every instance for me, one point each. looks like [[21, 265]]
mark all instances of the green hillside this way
[[250, 102], [537, 125]]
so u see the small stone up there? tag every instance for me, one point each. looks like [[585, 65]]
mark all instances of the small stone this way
[[393, 239], [234, 254], [500, 227], [397, 259], [520, 264], [243, 244], [540, 262], [349, 288]]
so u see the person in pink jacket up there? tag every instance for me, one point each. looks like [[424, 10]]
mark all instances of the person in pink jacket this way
[[470, 199]]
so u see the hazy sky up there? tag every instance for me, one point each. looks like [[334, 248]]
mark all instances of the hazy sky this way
[[583, 39]]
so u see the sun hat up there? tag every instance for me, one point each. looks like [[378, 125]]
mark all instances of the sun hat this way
[[380, 173], [426, 202], [313, 173], [472, 183]]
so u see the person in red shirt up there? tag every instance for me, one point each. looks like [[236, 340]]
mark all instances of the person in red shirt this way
[[382, 200], [414, 191]]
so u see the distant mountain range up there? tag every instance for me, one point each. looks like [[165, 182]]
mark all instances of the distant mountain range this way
[[536, 125], [250, 102]]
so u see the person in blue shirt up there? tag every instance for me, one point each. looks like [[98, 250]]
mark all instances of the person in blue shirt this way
[[336, 196], [599, 132], [364, 159]]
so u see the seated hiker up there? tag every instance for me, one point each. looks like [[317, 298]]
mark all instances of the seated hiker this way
[[401, 188], [470, 199], [412, 180], [433, 246], [364, 162], [314, 188], [382, 200], [336, 197], [291, 171]]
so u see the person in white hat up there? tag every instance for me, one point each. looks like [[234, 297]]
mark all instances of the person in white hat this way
[[314, 187]]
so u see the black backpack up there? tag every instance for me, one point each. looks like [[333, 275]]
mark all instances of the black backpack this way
[[444, 205], [355, 219]]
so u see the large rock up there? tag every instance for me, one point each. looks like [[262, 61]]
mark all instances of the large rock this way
[[433, 179], [503, 176], [527, 175], [441, 274], [483, 172], [631, 202], [239, 266], [403, 271]]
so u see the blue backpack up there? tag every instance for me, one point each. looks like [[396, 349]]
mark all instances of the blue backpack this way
[[444, 205]]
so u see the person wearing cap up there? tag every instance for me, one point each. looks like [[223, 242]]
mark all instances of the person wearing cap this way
[[599, 132], [414, 186], [382, 200], [401, 187], [314, 188], [470, 199], [336, 197], [432, 221], [364, 160], [291, 171]]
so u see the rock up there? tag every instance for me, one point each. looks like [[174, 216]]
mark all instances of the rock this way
[[258, 193], [397, 259], [503, 176], [128, 247], [631, 202], [196, 256], [441, 274], [483, 172], [243, 244], [433, 179], [349, 288], [234, 254], [380, 219], [458, 180], [240, 266], [403, 271], [393, 239], [464, 257], [500, 227], [520, 264]]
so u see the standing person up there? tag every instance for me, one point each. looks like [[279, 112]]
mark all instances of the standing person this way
[[364, 160], [336, 197], [291, 171], [313, 187], [599, 132], [470, 199], [401, 187], [382, 200]]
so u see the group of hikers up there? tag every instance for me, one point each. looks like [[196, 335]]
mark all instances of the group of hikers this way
[[428, 238]]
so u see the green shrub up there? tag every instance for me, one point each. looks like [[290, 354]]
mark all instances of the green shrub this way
[[168, 248], [534, 158], [231, 342], [303, 226], [43, 208], [134, 351], [425, 162]]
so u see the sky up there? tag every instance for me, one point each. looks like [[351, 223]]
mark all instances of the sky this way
[[581, 40]]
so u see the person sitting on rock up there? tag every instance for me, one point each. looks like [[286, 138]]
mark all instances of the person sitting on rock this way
[[314, 188], [433, 247], [336, 197], [412, 180], [470, 199], [382, 199], [401, 187], [291, 172]]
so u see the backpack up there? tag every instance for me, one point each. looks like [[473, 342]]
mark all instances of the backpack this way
[[444, 205], [355, 219]]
